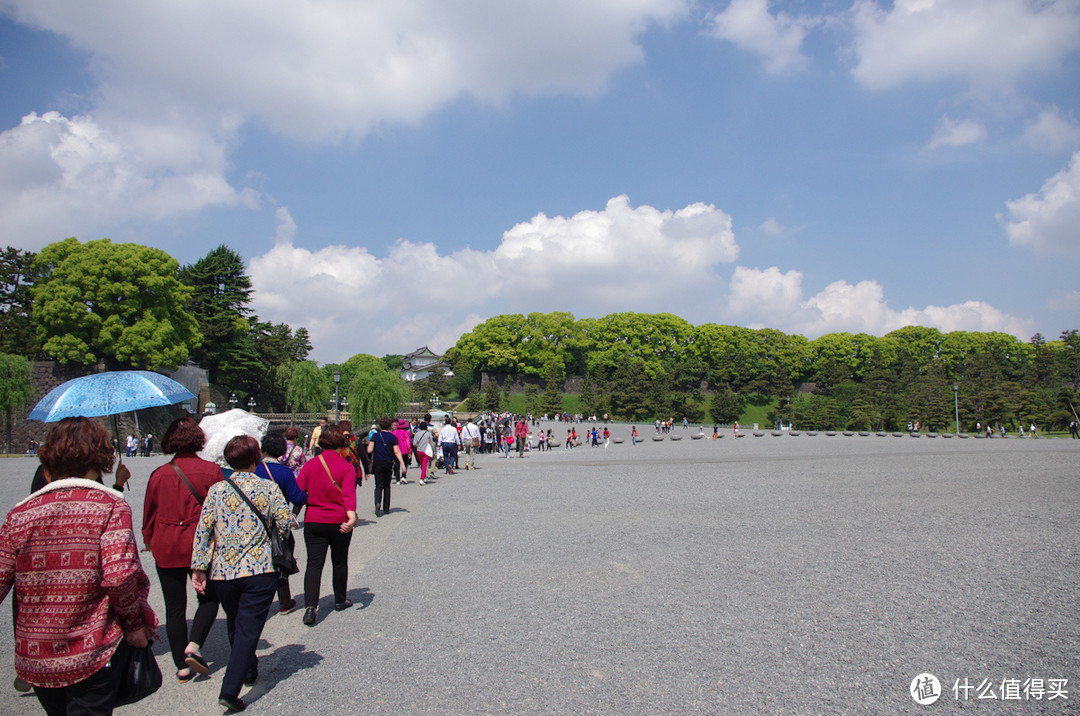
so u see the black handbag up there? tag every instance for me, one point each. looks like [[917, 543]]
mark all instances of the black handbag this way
[[139, 673], [281, 553]]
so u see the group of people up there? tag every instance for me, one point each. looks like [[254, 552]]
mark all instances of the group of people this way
[[71, 625], [139, 446]]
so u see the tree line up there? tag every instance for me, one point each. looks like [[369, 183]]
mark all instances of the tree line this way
[[642, 366]]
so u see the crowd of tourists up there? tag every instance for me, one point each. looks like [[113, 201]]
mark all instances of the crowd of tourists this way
[[76, 629]]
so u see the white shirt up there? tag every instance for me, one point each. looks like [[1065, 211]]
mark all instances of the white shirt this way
[[470, 431], [449, 434]]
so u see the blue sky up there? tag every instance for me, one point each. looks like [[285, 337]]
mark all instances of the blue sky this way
[[395, 172]]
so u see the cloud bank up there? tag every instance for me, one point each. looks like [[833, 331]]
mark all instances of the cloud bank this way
[[622, 258], [1047, 220]]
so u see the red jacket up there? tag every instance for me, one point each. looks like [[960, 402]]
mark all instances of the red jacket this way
[[170, 512], [69, 551], [328, 503]]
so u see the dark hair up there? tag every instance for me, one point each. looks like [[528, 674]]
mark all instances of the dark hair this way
[[274, 444], [291, 433], [242, 452], [385, 423], [333, 438], [184, 435], [75, 446], [345, 425]]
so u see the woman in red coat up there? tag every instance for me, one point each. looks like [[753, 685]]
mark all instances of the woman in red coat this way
[[170, 515]]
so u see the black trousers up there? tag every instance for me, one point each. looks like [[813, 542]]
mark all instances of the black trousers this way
[[383, 472], [246, 602], [174, 581], [92, 696], [319, 537]]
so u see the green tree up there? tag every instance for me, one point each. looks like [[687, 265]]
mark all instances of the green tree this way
[[17, 335], [631, 391], [532, 399], [726, 405], [221, 292], [118, 303], [374, 390], [15, 389], [492, 396], [307, 386]]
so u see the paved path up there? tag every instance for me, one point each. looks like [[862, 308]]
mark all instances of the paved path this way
[[760, 575]]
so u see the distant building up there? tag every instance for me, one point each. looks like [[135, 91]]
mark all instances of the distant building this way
[[421, 363]]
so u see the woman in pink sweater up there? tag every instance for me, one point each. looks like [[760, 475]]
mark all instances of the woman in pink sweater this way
[[330, 483]]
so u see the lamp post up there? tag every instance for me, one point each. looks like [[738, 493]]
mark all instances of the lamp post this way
[[251, 404], [233, 401], [337, 383], [956, 405], [344, 404], [435, 402]]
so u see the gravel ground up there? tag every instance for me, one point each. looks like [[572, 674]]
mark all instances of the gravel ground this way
[[792, 574]]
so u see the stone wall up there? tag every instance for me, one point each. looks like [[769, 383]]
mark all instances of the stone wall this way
[[517, 382]]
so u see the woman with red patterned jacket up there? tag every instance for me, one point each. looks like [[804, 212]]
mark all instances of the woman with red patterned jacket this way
[[81, 590]]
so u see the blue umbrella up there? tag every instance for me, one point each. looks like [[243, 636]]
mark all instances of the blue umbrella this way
[[110, 393]]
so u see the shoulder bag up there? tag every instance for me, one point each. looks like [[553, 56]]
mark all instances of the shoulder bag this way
[[281, 553], [191, 488]]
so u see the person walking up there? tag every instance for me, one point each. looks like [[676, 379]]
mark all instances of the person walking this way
[[633, 435], [424, 447], [403, 432], [384, 451], [294, 456], [470, 439], [174, 498], [448, 441], [231, 555], [270, 469], [521, 435], [330, 483], [72, 623]]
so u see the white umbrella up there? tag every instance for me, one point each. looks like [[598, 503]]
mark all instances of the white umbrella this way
[[223, 427]]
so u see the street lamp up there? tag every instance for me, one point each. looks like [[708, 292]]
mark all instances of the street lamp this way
[[337, 383], [233, 401], [251, 404], [435, 402], [956, 405], [344, 403]]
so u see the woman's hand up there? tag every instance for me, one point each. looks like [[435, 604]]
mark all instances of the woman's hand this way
[[198, 580], [139, 638], [123, 474], [349, 523]]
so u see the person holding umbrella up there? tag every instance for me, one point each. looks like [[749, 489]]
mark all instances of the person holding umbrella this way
[[71, 624]]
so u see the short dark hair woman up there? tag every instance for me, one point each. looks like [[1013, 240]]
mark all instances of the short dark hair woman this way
[[70, 622], [170, 512], [384, 450], [330, 483], [232, 552]]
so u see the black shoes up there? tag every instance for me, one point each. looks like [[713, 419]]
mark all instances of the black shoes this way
[[286, 607], [342, 606], [197, 664], [309, 616], [233, 703]]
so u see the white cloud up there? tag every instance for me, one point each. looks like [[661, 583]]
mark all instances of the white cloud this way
[[324, 69], [771, 227], [990, 44], [1053, 131], [774, 299], [63, 176], [777, 38], [955, 133], [595, 262], [1047, 221], [1066, 302]]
